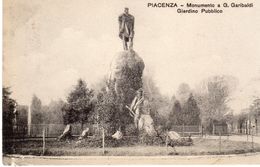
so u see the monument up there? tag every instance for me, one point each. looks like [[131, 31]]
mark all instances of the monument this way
[[125, 78]]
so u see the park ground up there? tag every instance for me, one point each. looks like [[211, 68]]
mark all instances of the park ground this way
[[234, 150]]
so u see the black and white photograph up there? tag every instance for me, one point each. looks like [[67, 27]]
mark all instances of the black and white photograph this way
[[130, 82]]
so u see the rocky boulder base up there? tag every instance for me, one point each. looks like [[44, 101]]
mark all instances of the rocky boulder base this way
[[125, 78], [126, 73]]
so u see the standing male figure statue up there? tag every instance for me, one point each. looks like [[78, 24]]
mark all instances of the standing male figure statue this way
[[126, 29]]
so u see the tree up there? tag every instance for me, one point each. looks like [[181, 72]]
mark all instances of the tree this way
[[53, 113], [175, 116], [22, 115], [213, 96], [255, 111], [183, 93], [9, 106], [191, 112], [255, 107], [36, 110], [159, 104], [107, 111], [229, 117], [79, 104]]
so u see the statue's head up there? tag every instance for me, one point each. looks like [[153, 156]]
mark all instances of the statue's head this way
[[126, 10]]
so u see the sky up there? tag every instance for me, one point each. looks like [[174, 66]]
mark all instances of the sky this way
[[48, 45]]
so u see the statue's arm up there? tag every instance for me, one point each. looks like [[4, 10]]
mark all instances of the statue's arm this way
[[120, 22]]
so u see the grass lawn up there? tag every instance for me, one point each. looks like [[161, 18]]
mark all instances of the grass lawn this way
[[200, 147]]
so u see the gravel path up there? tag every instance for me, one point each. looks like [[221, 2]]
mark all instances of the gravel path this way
[[256, 139], [253, 158]]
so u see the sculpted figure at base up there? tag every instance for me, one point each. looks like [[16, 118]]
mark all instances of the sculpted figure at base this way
[[140, 111], [137, 106], [66, 133], [118, 135], [126, 29]]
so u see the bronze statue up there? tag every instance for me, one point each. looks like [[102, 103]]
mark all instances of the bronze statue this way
[[126, 29]]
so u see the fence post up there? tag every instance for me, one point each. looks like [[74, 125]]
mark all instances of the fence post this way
[[103, 140], [43, 141], [219, 142], [252, 141], [29, 121], [46, 132]]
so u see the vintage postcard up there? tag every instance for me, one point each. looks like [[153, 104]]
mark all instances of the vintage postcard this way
[[131, 82]]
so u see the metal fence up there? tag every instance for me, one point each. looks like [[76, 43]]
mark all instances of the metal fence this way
[[186, 130], [246, 131], [36, 130], [54, 130]]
